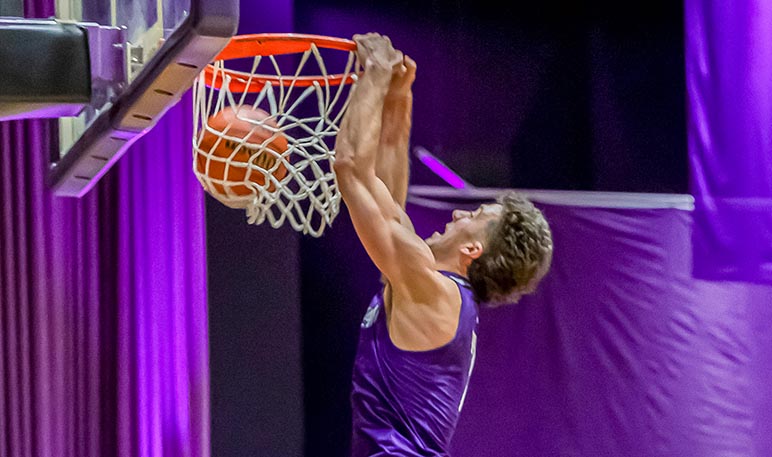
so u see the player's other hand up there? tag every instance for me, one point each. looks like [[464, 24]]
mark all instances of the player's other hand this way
[[403, 76]]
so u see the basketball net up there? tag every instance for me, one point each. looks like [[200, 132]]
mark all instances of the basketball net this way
[[304, 110]]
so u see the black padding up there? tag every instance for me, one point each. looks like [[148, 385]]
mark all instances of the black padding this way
[[43, 62]]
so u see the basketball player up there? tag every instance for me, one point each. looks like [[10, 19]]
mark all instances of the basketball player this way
[[417, 340]]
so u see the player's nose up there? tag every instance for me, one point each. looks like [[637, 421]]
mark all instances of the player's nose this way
[[459, 213]]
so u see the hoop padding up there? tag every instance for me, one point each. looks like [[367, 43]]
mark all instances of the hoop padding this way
[[305, 110]]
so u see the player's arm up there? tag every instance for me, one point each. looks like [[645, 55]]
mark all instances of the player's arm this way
[[392, 161], [402, 257]]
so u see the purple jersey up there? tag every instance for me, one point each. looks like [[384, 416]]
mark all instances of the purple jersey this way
[[407, 403]]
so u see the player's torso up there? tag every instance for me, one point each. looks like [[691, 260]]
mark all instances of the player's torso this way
[[409, 401]]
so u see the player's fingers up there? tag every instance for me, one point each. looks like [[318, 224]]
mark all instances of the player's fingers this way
[[398, 73]]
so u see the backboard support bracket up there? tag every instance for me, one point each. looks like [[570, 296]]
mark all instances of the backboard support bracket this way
[[151, 89]]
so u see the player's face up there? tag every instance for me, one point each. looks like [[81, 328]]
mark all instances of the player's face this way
[[467, 225]]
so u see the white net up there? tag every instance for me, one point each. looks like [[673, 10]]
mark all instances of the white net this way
[[276, 166]]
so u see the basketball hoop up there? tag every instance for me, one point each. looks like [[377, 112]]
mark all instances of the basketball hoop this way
[[303, 82]]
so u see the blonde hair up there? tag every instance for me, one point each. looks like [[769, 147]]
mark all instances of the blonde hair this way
[[519, 242]]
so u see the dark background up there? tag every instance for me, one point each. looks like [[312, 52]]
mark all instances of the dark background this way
[[11, 8], [540, 95]]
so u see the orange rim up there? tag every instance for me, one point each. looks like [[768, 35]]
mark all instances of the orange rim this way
[[267, 44]]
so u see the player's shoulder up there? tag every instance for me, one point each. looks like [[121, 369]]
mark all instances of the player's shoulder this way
[[429, 287]]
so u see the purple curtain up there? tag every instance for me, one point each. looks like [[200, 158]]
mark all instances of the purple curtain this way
[[621, 352], [103, 323], [729, 84]]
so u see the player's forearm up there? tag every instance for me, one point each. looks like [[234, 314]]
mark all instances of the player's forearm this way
[[356, 146], [392, 162]]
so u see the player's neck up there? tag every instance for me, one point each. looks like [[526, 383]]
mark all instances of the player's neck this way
[[451, 266]]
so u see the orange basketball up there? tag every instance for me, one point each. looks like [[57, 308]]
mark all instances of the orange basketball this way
[[246, 157]]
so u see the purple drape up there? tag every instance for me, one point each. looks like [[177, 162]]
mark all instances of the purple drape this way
[[103, 324], [621, 352], [729, 83]]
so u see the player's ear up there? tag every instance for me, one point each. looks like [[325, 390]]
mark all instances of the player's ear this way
[[472, 249]]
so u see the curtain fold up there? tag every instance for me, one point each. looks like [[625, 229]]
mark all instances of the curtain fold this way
[[728, 74], [103, 322]]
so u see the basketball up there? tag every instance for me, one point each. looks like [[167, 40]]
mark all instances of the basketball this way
[[238, 148]]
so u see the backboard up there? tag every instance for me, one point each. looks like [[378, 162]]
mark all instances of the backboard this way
[[143, 56], [133, 30]]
